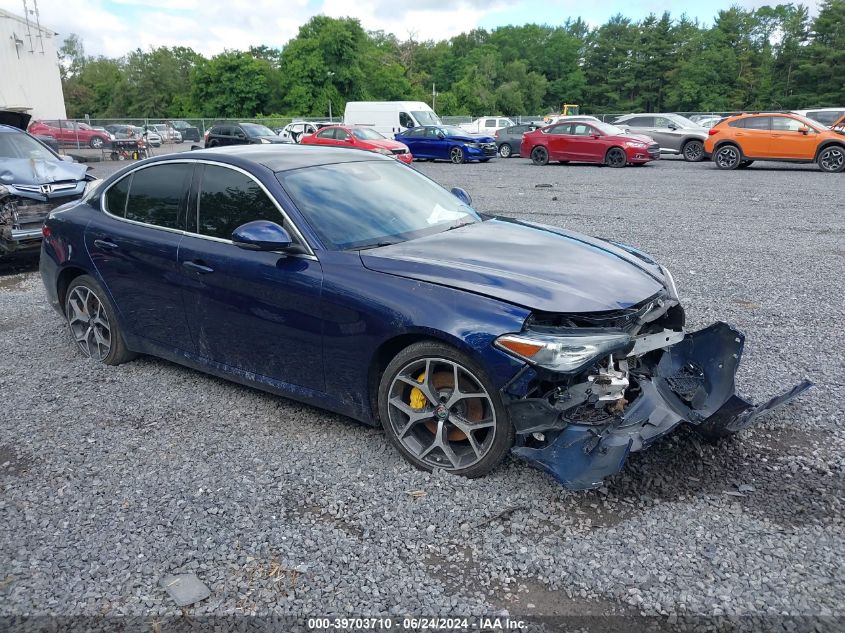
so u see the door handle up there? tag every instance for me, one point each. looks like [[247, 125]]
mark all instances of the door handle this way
[[197, 267], [105, 245]]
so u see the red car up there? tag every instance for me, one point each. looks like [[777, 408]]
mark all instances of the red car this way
[[71, 133], [359, 138], [588, 142]]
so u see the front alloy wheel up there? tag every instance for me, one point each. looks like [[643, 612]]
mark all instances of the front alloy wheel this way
[[440, 412], [693, 151], [505, 150], [832, 159], [456, 155], [540, 156], [96, 142], [616, 157], [727, 157]]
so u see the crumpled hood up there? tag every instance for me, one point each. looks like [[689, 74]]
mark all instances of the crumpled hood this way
[[28, 171], [532, 265], [469, 138]]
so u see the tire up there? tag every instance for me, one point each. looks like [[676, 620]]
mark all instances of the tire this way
[[456, 155], [430, 435], [540, 156], [831, 159], [616, 157], [505, 150], [95, 142], [214, 143], [745, 164], [93, 323], [693, 151], [727, 157]]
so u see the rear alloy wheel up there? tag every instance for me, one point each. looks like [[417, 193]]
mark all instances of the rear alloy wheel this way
[[693, 151], [505, 150], [727, 157], [456, 155], [832, 159], [616, 157], [96, 142], [439, 409], [93, 324], [540, 156]]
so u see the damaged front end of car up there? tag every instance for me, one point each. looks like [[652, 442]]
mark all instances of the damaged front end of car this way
[[599, 386]]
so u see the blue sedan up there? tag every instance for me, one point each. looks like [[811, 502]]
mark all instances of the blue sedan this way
[[348, 281], [443, 142]]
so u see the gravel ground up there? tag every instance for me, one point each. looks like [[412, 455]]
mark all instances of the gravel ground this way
[[113, 478]]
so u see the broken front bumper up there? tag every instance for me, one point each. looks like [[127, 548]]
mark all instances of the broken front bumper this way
[[690, 382]]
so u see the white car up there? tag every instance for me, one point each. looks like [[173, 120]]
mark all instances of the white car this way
[[487, 125], [825, 116], [293, 132], [167, 133]]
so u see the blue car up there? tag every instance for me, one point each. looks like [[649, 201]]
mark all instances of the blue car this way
[[350, 282], [443, 142]]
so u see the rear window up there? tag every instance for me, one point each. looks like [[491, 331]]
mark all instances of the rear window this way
[[157, 195], [116, 197]]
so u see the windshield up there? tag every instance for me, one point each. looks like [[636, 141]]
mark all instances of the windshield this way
[[607, 128], [425, 117], [813, 125], [363, 204], [683, 121], [13, 145], [453, 131], [366, 134], [253, 129]]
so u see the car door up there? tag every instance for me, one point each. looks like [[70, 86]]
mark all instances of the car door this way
[[582, 144], [323, 137], [789, 141], [436, 147], [343, 138], [754, 135], [253, 311], [134, 249], [558, 138], [667, 133], [642, 125]]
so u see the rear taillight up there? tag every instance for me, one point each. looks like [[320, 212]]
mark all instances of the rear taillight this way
[[712, 131], [45, 232]]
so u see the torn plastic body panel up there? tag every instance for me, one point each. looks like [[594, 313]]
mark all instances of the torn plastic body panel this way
[[582, 430]]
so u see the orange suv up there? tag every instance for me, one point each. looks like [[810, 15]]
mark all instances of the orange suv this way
[[737, 141]]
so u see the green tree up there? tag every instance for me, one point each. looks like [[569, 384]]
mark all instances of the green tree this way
[[232, 84]]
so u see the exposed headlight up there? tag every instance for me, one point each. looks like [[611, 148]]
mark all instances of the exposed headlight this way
[[564, 353], [264, 140]]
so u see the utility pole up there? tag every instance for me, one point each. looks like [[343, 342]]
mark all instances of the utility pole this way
[[433, 98]]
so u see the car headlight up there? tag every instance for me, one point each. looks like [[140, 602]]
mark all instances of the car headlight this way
[[565, 352], [112, 137], [473, 145], [635, 144], [382, 150], [264, 140]]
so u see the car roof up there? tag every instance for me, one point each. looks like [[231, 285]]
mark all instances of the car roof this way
[[280, 157]]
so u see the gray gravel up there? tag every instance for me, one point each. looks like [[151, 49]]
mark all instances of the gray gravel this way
[[114, 478]]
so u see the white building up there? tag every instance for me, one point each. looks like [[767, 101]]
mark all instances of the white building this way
[[29, 68]]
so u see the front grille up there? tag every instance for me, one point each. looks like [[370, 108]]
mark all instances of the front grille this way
[[489, 149], [654, 150], [51, 188], [399, 151]]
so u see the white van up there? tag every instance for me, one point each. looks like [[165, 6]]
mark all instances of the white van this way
[[389, 117]]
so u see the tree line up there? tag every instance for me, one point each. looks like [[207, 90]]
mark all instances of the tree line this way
[[772, 57]]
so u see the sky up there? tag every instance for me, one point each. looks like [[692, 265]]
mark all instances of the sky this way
[[114, 27]]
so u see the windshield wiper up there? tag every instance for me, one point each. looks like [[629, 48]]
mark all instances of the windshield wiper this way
[[458, 225], [378, 245]]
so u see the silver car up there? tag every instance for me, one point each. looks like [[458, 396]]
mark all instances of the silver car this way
[[675, 134]]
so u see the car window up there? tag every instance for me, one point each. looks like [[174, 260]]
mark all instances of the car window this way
[[327, 133], [639, 121], [156, 194], [826, 117], [431, 132], [341, 134], [405, 120], [786, 124], [582, 129], [662, 121], [115, 197], [490, 123], [758, 123], [21, 145], [229, 198], [416, 133], [560, 128]]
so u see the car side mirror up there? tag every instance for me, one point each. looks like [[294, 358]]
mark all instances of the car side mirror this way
[[804, 130], [595, 136], [441, 135], [261, 235], [462, 195], [672, 126]]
